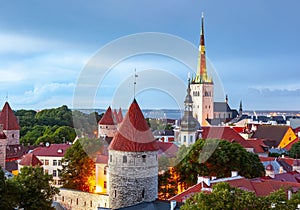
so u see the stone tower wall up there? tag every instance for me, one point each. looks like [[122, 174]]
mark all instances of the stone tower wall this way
[[2, 152], [13, 136], [133, 178]]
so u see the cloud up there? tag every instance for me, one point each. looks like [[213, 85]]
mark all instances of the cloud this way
[[43, 93]]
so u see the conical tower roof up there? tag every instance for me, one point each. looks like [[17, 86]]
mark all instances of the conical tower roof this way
[[134, 134], [107, 118], [8, 119], [120, 115]]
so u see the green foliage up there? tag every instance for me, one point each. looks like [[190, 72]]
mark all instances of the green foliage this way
[[225, 197], [79, 167], [294, 152], [29, 190], [227, 157]]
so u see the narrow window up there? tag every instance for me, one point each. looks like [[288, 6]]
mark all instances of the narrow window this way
[[77, 201], [124, 159], [144, 158], [105, 168], [110, 158], [91, 204], [55, 162], [143, 193], [104, 185], [63, 199], [115, 193]]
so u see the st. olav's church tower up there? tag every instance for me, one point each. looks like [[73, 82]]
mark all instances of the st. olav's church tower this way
[[202, 86]]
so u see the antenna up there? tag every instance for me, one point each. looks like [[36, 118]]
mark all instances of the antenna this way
[[134, 83]]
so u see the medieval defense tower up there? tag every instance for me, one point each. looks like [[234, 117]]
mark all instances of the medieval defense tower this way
[[133, 164], [202, 86]]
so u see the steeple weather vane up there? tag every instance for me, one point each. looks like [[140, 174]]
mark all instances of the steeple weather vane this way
[[134, 83]]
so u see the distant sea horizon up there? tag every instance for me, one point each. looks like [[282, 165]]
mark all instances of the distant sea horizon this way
[[177, 114]]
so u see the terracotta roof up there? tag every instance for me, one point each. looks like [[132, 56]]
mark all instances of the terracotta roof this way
[[54, 150], [102, 159], [120, 116], [30, 160], [272, 133], [261, 187], [8, 118], [258, 145], [266, 159], [225, 133], [15, 152], [134, 134], [168, 149], [107, 118], [239, 129]]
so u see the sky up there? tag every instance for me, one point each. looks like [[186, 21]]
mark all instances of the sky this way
[[45, 47]]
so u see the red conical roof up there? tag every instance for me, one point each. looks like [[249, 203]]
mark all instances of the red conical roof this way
[[8, 118], [107, 118], [30, 160], [120, 116], [134, 134]]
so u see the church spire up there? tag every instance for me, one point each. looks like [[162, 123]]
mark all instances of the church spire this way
[[241, 108], [202, 76]]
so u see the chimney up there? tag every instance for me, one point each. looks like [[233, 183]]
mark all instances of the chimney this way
[[172, 205], [234, 173]]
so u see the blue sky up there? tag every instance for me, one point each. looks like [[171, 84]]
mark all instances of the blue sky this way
[[253, 45]]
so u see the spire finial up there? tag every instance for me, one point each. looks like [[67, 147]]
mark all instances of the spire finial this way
[[134, 83], [6, 97]]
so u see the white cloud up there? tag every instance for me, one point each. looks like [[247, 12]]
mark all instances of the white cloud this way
[[43, 93]]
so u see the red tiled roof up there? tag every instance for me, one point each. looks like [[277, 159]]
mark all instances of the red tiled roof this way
[[134, 134], [261, 187], [238, 129], [54, 150], [266, 159], [225, 133], [258, 145], [102, 159], [167, 148], [15, 152], [120, 115], [30, 160], [8, 118], [107, 118]]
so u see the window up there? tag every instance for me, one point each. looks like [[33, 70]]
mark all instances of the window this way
[[46, 162], [124, 159], [144, 158], [77, 201], [184, 138], [115, 193], [13, 135], [54, 173], [110, 158], [59, 162], [143, 193], [55, 162], [104, 185], [105, 168], [91, 204], [191, 139], [63, 199], [58, 172], [42, 160]]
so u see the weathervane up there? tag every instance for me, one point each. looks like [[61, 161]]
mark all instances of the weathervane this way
[[134, 84]]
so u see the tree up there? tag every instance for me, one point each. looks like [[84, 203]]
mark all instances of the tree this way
[[224, 197], [167, 184], [8, 193], [34, 190], [79, 167], [294, 152], [225, 158]]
